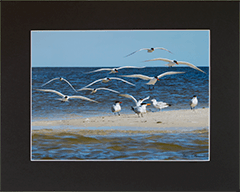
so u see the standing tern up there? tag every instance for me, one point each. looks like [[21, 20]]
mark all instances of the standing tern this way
[[194, 102], [61, 79], [116, 107], [172, 63], [66, 97], [138, 103], [113, 70], [107, 79], [95, 89], [140, 109], [149, 50], [160, 105], [153, 80]]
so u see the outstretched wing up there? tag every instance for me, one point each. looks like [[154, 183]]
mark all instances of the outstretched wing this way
[[128, 67], [85, 88], [121, 80], [102, 69], [144, 77], [69, 84], [103, 88], [51, 91], [145, 98], [50, 81], [169, 73], [93, 83], [159, 59], [190, 65], [163, 49], [136, 51], [81, 97], [128, 96]]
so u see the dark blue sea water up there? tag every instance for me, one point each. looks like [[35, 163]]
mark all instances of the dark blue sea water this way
[[174, 89], [116, 143]]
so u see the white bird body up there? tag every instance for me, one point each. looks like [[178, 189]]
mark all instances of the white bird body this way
[[153, 80], [61, 79], [149, 50], [116, 108], [66, 97], [159, 104], [96, 89], [107, 79], [113, 70], [194, 102], [172, 63], [140, 109], [137, 103]]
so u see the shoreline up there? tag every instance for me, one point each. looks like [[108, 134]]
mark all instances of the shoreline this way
[[163, 119]]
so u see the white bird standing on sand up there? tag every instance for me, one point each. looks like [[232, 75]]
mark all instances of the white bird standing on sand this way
[[113, 70], [149, 50], [140, 109], [172, 63], [153, 80], [95, 89], [66, 97], [159, 105], [61, 79], [138, 103], [107, 79], [116, 107], [194, 102]]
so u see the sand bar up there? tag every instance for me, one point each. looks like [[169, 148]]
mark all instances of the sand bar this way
[[174, 118]]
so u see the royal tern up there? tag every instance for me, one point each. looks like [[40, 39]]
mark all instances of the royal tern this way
[[116, 107], [113, 70], [138, 103], [140, 109], [95, 89], [172, 63], [194, 102], [61, 79], [153, 80], [107, 79], [66, 97], [149, 50], [160, 105]]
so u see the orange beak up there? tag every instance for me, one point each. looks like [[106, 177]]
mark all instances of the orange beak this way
[[148, 103], [157, 79], [120, 102]]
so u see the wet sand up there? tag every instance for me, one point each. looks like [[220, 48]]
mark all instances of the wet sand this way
[[163, 119]]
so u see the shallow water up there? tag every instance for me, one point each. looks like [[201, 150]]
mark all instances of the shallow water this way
[[120, 144]]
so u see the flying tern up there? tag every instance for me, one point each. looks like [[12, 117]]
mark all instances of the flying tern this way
[[95, 89], [172, 63], [152, 80], [61, 79], [194, 102], [107, 79], [159, 105], [116, 108], [66, 97], [113, 70], [138, 103], [149, 50]]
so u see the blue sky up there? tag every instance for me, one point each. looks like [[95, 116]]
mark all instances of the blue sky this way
[[108, 48]]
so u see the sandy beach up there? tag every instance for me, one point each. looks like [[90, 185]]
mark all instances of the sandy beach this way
[[175, 118]]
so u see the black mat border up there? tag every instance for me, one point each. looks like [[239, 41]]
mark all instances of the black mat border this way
[[19, 174]]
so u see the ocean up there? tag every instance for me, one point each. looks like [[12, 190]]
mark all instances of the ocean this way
[[116, 143]]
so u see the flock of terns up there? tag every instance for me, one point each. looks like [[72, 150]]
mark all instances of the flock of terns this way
[[140, 106]]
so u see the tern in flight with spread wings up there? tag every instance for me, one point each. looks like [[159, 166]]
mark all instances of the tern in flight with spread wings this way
[[149, 50], [152, 80], [61, 79], [107, 79], [66, 97], [113, 70], [172, 63]]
